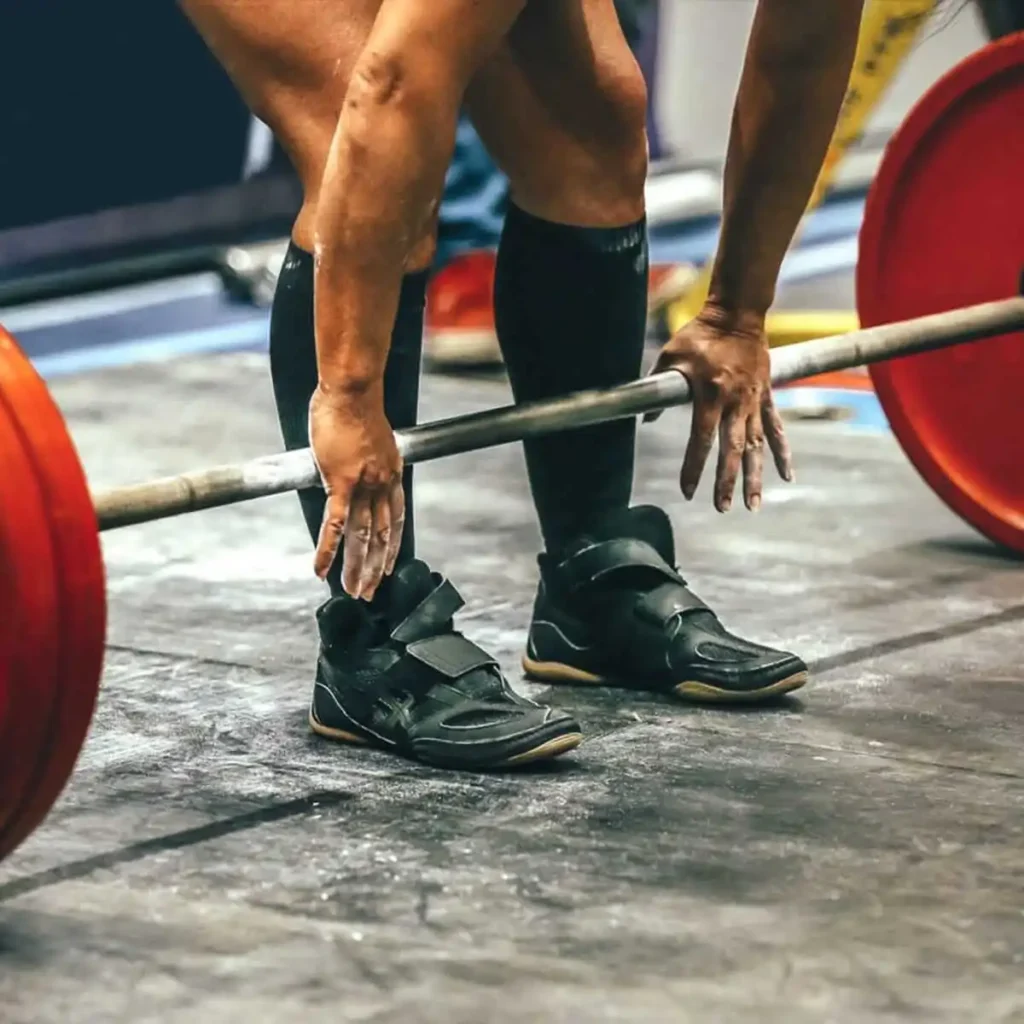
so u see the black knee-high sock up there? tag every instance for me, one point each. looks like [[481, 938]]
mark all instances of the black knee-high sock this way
[[294, 374], [571, 308]]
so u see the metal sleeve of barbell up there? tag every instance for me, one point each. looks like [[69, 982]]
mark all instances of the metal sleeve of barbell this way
[[296, 470]]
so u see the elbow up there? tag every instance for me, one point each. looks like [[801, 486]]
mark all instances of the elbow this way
[[394, 104], [385, 83], [379, 80]]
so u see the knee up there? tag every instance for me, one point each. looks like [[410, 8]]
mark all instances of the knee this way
[[605, 166], [590, 167]]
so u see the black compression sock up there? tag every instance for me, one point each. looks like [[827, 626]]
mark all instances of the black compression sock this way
[[571, 311], [294, 373]]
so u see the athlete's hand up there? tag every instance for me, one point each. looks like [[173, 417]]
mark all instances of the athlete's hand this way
[[361, 470], [725, 358]]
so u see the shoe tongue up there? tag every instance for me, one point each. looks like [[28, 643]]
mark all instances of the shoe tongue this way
[[409, 585], [644, 522]]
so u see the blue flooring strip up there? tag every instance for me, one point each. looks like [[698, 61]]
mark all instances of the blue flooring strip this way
[[120, 325], [157, 348]]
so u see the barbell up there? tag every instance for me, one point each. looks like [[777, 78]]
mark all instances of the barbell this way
[[52, 585], [296, 470]]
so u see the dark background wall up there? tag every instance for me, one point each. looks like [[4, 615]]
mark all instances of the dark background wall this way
[[111, 110]]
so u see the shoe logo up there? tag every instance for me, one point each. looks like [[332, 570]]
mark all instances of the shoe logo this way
[[359, 725], [561, 634]]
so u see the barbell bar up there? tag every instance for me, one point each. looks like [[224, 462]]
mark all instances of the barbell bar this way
[[296, 470]]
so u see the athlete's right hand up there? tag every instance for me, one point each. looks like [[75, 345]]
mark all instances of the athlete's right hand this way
[[361, 470]]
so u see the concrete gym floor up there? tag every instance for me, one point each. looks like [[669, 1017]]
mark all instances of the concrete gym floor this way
[[855, 854]]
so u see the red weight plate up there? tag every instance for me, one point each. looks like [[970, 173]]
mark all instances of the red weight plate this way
[[31, 605], [944, 228], [80, 585]]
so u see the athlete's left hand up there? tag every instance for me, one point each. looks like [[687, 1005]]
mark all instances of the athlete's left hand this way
[[724, 356]]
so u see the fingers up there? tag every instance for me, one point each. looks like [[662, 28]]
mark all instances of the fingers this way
[[775, 434], [358, 532], [370, 529], [377, 549], [706, 416], [732, 443], [397, 501], [331, 531], [388, 522], [753, 462]]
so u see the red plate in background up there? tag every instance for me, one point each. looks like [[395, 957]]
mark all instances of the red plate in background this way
[[944, 228]]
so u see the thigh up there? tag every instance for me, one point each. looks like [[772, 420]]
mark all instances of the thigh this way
[[562, 106], [291, 60]]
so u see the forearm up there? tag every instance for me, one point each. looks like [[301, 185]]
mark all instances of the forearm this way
[[384, 174], [794, 78]]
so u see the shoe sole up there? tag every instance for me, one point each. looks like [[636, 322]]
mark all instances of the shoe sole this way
[[545, 751], [690, 689]]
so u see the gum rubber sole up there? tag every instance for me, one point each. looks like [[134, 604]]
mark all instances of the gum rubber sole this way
[[336, 734], [704, 693], [545, 751]]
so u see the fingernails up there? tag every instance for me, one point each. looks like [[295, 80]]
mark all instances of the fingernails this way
[[725, 505], [755, 502]]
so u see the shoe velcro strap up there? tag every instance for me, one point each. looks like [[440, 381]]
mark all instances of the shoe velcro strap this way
[[450, 654], [664, 603], [430, 616], [600, 560]]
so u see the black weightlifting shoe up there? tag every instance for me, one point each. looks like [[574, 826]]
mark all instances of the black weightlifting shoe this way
[[614, 611], [405, 680]]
